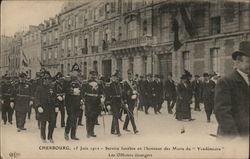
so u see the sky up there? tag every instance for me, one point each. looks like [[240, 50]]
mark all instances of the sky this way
[[17, 15]]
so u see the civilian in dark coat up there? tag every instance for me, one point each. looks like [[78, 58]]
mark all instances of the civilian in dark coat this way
[[46, 100], [142, 93], [183, 110], [232, 97], [197, 92], [151, 97], [208, 95], [170, 93], [159, 93]]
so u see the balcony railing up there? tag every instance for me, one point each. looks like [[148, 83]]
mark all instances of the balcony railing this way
[[94, 49], [130, 43]]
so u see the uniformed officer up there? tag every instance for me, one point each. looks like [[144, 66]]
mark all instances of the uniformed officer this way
[[33, 86], [115, 96], [208, 87], [23, 101], [59, 83], [7, 99], [72, 102], [93, 98], [130, 96], [46, 99]]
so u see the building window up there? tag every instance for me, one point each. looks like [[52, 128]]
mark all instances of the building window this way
[[229, 8], [44, 55], [56, 50], [145, 27], [215, 25], [96, 38], [63, 44], [145, 63], [243, 13], [76, 41], [186, 60], [69, 44], [76, 21], [165, 27], [132, 30], [85, 70], [131, 64], [50, 52], [215, 60], [95, 66], [198, 15], [56, 34]]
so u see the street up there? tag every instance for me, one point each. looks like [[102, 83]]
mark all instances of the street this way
[[159, 135]]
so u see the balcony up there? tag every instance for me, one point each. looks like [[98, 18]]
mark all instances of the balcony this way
[[131, 43], [94, 49]]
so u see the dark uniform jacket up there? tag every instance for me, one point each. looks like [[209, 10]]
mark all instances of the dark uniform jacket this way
[[92, 91], [159, 91], [232, 105], [170, 90], [7, 93], [22, 95], [151, 93], [47, 99], [73, 96], [115, 96]]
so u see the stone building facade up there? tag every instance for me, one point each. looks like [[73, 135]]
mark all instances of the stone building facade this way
[[4, 54], [50, 45], [31, 51], [139, 35]]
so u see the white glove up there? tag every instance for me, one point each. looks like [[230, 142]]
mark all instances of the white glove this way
[[40, 109], [31, 102], [102, 100], [2, 101], [134, 96], [12, 104], [63, 97], [82, 102], [134, 92], [59, 98], [56, 109], [82, 107], [108, 107], [126, 106]]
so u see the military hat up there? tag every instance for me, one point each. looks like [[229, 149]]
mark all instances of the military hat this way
[[244, 50], [75, 67], [58, 75], [196, 76], [141, 76], [187, 73], [22, 75], [205, 75]]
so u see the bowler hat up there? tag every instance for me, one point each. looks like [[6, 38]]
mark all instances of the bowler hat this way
[[244, 49], [205, 75], [22, 75], [93, 72]]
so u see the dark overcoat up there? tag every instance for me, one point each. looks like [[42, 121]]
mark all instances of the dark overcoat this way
[[232, 105]]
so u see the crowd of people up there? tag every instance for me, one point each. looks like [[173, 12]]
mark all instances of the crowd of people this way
[[75, 97]]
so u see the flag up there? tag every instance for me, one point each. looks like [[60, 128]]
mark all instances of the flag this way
[[175, 29], [189, 25]]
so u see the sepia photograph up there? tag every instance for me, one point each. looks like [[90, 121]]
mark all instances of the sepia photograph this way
[[124, 79]]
